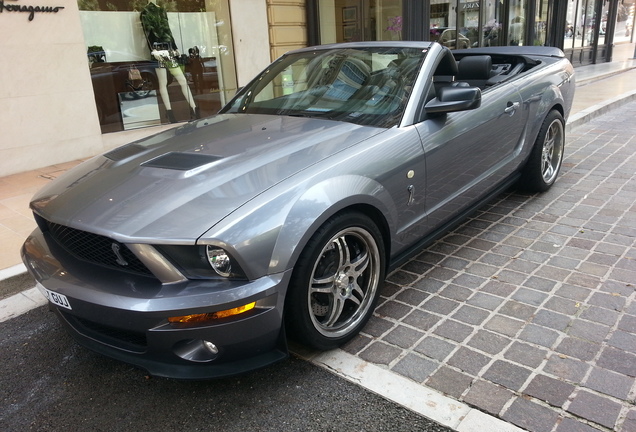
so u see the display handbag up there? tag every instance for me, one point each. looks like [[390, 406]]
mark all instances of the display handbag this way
[[134, 74]]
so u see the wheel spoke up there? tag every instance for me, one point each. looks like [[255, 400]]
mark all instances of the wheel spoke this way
[[343, 250], [360, 264], [357, 289], [324, 285], [335, 311], [548, 172]]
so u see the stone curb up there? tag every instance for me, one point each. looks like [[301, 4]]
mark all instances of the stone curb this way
[[409, 394], [599, 109]]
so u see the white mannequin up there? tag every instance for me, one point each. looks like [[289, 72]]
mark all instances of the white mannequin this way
[[164, 57]]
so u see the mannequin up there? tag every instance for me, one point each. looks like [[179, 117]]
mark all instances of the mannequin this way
[[154, 21]]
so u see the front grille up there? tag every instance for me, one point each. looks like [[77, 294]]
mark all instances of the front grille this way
[[97, 249], [124, 339]]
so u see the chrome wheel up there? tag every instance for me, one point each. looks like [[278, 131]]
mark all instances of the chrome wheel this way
[[544, 162], [344, 282], [552, 152]]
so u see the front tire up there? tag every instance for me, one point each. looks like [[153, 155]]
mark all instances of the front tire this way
[[545, 160], [335, 283]]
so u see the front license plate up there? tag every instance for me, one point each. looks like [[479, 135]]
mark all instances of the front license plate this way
[[55, 298]]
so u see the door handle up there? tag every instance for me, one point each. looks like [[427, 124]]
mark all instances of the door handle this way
[[512, 107]]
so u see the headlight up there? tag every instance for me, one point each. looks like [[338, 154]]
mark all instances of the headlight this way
[[203, 262], [219, 260]]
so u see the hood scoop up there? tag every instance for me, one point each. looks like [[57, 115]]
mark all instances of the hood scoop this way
[[181, 161]]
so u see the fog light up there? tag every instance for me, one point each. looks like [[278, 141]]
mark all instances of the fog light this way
[[211, 347], [197, 318], [196, 350]]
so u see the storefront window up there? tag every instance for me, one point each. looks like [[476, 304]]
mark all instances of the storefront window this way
[[580, 24], [541, 22], [492, 28], [473, 23], [517, 22], [360, 20], [624, 21], [156, 62], [468, 24], [441, 19], [454, 24], [604, 37]]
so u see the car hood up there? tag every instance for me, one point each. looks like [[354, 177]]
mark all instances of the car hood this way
[[174, 186]]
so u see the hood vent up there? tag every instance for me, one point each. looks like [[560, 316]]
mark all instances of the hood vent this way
[[181, 161]]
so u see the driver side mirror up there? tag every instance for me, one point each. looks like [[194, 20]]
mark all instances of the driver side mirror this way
[[454, 98]]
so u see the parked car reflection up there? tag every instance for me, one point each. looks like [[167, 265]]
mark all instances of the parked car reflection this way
[[449, 37]]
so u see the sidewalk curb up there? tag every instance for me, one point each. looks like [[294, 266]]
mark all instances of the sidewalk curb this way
[[12, 271], [406, 393], [21, 303], [599, 109]]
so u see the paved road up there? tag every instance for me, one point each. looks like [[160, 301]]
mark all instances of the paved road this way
[[50, 383], [528, 310]]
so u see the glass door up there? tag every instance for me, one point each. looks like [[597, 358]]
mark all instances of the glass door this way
[[584, 30], [359, 20]]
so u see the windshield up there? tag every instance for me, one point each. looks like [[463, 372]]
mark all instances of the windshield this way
[[366, 86]]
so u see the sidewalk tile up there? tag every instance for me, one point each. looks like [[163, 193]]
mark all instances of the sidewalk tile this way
[[530, 415], [595, 408]]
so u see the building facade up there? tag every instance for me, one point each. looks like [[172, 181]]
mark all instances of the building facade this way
[[586, 30], [90, 75]]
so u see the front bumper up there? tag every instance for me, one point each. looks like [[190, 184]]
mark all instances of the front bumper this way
[[125, 316]]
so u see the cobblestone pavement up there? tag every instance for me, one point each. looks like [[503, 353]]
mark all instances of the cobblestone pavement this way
[[528, 310]]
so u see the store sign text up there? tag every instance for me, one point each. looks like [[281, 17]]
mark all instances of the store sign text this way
[[471, 5], [31, 10]]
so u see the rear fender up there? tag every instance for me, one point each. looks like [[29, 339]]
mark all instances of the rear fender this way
[[551, 98], [558, 94]]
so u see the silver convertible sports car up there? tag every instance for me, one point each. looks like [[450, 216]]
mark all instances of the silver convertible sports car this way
[[196, 252]]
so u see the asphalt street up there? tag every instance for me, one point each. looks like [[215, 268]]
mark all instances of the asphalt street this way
[[49, 383]]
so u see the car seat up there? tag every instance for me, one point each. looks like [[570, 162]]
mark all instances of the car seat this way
[[474, 70]]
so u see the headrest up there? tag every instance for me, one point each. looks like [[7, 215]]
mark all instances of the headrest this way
[[475, 67]]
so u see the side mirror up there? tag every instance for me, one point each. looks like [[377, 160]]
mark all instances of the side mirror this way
[[454, 98]]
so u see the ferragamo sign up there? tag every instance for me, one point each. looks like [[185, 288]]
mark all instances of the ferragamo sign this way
[[11, 6]]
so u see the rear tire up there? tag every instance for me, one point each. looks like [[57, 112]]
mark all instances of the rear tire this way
[[544, 163], [335, 283]]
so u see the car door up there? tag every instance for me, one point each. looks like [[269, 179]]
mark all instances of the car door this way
[[468, 153]]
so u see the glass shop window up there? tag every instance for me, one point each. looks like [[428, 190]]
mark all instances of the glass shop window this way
[[159, 61], [541, 22], [580, 21], [465, 23], [360, 20], [624, 21]]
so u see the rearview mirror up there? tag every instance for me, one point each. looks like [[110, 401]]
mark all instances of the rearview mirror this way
[[452, 99]]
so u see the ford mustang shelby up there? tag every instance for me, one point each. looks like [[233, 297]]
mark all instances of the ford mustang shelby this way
[[195, 252]]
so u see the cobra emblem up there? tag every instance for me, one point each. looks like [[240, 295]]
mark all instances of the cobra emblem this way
[[120, 259]]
